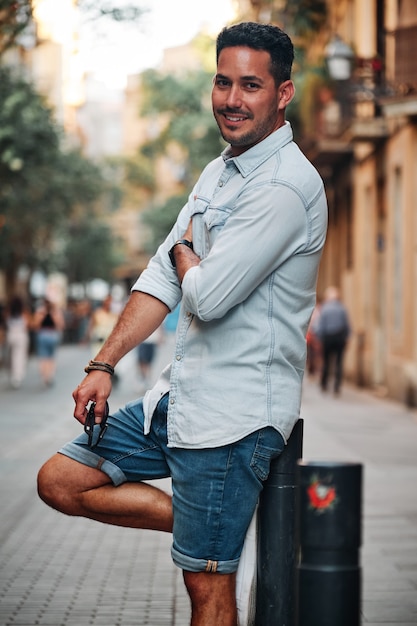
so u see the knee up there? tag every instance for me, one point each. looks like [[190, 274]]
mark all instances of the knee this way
[[50, 485], [46, 483]]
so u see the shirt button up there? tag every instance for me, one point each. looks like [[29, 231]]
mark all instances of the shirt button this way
[[172, 401], [178, 357], [221, 183]]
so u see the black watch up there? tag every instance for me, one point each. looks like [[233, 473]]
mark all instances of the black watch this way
[[183, 242]]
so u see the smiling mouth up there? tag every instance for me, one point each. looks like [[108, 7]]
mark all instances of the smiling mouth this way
[[234, 118]]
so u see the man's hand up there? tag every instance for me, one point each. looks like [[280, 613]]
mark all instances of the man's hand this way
[[96, 387]]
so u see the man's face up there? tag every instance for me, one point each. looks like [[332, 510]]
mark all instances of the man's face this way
[[247, 105]]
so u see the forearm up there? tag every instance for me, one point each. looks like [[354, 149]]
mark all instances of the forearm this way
[[140, 317], [185, 258]]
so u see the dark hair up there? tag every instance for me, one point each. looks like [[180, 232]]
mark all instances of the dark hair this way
[[261, 37], [16, 307]]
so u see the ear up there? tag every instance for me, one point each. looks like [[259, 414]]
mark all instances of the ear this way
[[286, 93]]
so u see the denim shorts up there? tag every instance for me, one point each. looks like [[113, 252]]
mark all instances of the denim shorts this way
[[47, 342], [215, 490]]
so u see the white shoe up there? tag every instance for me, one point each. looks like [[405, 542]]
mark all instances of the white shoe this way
[[246, 577]]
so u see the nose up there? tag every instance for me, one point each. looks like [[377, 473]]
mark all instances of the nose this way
[[234, 97]]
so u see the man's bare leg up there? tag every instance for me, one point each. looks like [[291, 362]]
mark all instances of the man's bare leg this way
[[213, 598], [76, 489]]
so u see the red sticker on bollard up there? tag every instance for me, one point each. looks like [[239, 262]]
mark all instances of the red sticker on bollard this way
[[321, 496]]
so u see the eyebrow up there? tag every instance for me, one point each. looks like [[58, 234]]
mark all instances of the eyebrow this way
[[250, 78]]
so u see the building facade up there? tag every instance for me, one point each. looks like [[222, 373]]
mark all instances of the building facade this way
[[366, 150]]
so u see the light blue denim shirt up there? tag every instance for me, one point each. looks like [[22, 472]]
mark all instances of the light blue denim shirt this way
[[259, 226]]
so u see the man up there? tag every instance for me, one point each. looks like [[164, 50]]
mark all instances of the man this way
[[333, 331], [242, 258]]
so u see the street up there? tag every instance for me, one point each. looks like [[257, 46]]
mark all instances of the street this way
[[61, 571]]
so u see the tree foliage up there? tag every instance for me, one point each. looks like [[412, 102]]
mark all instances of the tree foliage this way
[[52, 199], [299, 18], [303, 18], [184, 99], [89, 251], [15, 16], [183, 102], [161, 219], [186, 102], [42, 187]]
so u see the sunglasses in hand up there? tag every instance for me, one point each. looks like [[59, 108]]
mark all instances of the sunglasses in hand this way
[[90, 423]]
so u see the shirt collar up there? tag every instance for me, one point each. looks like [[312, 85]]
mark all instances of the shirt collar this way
[[260, 152]]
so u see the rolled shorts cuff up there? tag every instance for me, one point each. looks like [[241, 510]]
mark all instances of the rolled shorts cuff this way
[[91, 459], [191, 564]]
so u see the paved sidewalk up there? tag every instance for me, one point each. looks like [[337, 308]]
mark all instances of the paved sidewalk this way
[[382, 435], [61, 571]]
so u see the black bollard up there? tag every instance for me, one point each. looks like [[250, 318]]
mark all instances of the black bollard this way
[[277, 550], [329, 531]]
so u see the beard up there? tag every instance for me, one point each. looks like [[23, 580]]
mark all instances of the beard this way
[[253, 135]]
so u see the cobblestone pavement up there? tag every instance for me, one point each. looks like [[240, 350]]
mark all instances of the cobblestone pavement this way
[[61, 571]]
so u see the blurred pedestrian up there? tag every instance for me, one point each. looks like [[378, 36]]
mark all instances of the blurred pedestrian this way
[[333, 330], [84, 311], [102, 322], [17, 340], [48, 324]]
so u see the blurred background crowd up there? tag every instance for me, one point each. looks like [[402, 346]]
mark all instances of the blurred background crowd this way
[[36, 330]]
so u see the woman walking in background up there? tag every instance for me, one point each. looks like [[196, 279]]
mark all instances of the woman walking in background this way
[[48, 323], [17, 340]]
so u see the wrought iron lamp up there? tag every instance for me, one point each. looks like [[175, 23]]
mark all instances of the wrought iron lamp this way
[[339, 57]]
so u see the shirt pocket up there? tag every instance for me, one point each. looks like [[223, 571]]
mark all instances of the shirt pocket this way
[[208, 221]]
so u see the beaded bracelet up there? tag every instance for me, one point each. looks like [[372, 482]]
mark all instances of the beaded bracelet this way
[[99, 365]]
